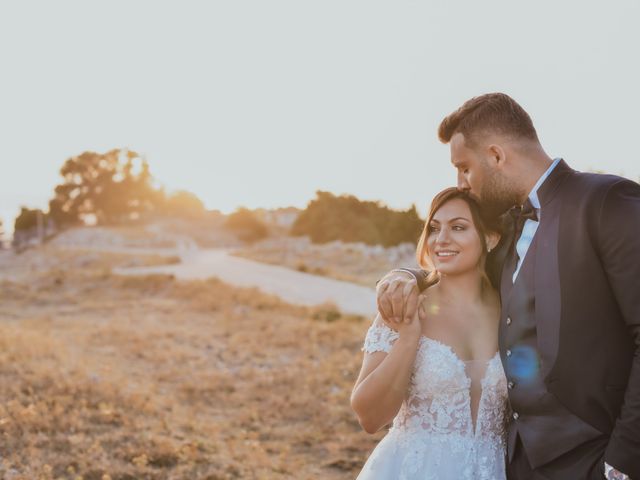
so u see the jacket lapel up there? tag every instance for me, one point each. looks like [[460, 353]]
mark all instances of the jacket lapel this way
[[547, 286], [548, 306]]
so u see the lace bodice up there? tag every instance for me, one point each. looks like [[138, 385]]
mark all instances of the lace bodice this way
[[439, 396], [438, 408]]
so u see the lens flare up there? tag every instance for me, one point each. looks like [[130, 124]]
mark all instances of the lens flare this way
[[523, 364]]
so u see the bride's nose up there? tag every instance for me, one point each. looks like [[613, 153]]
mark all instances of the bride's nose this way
[[443, 236]]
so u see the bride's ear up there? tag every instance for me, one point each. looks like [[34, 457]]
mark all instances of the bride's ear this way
[[492, 239]]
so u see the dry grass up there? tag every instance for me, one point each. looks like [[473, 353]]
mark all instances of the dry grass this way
[[122, 378]]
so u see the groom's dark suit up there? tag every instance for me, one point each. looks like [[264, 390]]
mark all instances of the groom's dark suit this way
[[570, 331]]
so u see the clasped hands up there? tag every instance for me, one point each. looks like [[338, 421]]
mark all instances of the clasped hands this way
[[400, 304]]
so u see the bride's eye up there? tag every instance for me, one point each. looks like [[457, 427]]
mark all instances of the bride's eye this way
[[459, 228]]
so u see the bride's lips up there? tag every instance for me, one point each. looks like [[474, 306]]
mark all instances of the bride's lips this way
[[446, 255]]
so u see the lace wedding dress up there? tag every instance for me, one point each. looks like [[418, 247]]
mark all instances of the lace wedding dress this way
[[452, 423]]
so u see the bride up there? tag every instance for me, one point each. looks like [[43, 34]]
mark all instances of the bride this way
[[439, 377]]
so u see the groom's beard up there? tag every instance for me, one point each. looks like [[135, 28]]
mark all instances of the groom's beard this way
[[497, 195]]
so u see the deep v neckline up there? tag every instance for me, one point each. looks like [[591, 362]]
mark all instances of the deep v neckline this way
[[455, 355], [463, 364]]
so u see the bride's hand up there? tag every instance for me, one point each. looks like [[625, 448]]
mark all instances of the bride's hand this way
[[411, 327]]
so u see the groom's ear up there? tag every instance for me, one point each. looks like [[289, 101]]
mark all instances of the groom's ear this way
[[497, 155]]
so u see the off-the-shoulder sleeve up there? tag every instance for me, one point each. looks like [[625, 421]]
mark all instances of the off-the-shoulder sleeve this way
[[380, 338]]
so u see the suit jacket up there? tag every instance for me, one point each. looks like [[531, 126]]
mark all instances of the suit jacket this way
[[587, 296], [587, 301]]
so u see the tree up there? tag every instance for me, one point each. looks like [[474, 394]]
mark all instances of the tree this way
[[28, 219], [246, 225], [403, 226], [183, 204], [329, 217], [113, 187]]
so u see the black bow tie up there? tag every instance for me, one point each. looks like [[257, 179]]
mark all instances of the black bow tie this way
[[524, 213], [521, 215]]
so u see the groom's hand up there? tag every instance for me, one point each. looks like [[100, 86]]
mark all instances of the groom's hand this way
[[397, 297]]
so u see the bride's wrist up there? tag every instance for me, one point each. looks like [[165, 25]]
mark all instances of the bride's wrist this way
[[408, 336]]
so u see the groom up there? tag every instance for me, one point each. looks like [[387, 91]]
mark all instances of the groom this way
[[569, 279]]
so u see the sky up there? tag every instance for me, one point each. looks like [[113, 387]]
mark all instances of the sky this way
[[262, 103]]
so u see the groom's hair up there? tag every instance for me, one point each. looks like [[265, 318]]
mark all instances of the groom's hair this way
[[489, 113]]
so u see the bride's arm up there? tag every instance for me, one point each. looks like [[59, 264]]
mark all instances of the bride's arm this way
[[386, 370]]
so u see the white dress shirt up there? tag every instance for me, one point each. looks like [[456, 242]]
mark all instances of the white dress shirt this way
[[531, 226]]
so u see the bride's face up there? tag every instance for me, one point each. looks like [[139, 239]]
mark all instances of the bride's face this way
[[453, 241]]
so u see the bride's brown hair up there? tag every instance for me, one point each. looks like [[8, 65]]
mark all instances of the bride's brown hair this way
[[482, 223]]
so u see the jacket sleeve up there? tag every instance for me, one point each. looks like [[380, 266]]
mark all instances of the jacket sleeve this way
[[618, 237], [421, 276]]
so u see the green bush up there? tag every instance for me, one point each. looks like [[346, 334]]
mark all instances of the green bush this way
[[329, 217]]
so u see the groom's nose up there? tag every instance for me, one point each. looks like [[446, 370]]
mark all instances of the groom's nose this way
[[463, 185]]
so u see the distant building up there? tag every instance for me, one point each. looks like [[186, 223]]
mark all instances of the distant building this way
[[281, 217]]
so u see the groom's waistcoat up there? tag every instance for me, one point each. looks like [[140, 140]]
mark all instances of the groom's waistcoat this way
[[537, 414]]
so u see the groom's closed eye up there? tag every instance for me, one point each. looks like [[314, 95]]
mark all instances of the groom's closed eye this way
[[460, 166]]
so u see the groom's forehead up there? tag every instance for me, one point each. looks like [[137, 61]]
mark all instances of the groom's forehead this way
[[459, 151], [457, 147]]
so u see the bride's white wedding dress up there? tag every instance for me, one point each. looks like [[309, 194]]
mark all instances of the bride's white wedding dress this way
[[452, 423]]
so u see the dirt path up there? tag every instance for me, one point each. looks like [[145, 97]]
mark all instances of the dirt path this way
[[290, 285]]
